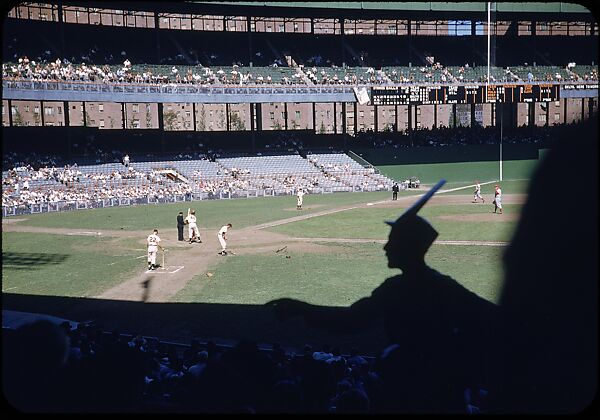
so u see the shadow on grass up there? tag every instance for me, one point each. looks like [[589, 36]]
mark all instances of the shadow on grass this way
[[30, 260]]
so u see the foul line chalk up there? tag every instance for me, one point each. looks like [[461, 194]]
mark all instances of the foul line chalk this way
[[159, 271]]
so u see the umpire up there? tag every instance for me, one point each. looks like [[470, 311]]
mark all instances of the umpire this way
[[395, 190], [180, 224]]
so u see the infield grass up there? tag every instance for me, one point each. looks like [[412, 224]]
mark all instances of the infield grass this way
[[61, 265], [339, 278]]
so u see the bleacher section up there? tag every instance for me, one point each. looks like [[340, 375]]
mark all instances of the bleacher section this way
[[550, 73], [344, 75], [272, 165], [349, 172], [241, 176]]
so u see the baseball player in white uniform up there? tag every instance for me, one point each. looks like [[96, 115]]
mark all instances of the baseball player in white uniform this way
[[300, 195], [193, 232], [153, 245], [477, 193], [222, 236], [497, 199]]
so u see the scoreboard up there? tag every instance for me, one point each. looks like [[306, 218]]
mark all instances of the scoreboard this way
[[463, 94]]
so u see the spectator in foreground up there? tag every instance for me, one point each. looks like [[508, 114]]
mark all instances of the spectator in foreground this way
[[423, 311], [34, 359]]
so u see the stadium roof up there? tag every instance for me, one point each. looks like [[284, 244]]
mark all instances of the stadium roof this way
[[522, 7], [352, 9]]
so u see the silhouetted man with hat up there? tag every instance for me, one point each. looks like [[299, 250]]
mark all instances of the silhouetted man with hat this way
[[438, 320]]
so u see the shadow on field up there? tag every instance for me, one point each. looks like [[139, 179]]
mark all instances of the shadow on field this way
[[30, 260], [179, 322]]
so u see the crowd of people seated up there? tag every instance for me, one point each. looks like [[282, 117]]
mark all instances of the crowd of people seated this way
[[63, 70], [444, 136], [53, 195], [19, 182], [70, 184], [83, 368]]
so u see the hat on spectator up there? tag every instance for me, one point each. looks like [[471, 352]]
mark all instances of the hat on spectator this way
[[411, 227]]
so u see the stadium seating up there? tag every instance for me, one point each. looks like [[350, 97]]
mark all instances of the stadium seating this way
[[333, 75]]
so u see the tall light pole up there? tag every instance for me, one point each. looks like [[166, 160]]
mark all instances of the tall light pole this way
[[501, 124], [489, 35]]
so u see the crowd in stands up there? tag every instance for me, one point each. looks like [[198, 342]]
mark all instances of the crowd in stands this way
[[36, 179], [82, 368], [54, 195], [63, 70], [444, 136], [70, 185]]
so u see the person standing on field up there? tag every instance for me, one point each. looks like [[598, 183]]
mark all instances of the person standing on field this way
[[180, 225], [395, 190], [300, 196], [193, 232], [477, 193], [222, 236], [497, 199], [153, 242]]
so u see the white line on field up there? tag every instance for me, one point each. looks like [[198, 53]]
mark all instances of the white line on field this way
[[383, 241], [87, 233], [479, 243], [179, 267]]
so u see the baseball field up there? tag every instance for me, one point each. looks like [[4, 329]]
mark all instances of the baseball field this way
[[90, 265]]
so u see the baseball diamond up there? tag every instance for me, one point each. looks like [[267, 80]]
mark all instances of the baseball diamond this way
[[299, 207]]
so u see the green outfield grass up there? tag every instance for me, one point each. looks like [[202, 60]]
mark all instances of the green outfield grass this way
[[487, 190], [368, 223], [462, 172]]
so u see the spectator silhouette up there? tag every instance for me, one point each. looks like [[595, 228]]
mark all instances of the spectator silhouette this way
[[33, 367], [429, 314], [550, 296]]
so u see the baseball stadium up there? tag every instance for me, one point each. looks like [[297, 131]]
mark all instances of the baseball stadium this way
[[299, 207]]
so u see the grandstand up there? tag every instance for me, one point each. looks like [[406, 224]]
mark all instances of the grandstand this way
[[232, 108]]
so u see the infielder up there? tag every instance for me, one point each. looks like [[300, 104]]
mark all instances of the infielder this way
[[477, 193], [300, 196], [193, 232], [222, 235], [497, 199], [153, 245]]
